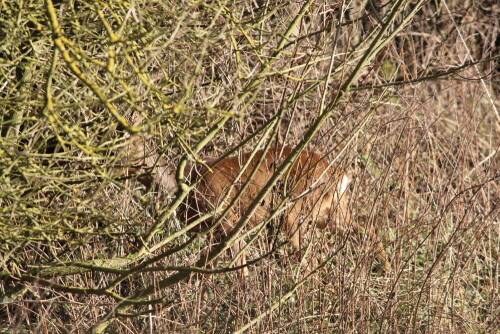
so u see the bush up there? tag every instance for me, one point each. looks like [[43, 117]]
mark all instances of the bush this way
[[399, 94]]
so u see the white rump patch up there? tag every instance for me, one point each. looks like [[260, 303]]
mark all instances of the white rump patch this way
[[342, 187]]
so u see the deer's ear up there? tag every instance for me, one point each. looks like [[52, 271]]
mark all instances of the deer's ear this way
[[209, 160]]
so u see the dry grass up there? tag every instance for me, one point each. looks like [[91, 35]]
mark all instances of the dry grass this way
[[418, 130]]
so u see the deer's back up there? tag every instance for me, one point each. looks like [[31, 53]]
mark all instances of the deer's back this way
[[218, 186]]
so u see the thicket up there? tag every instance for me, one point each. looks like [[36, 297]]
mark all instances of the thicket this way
[[400, 94]]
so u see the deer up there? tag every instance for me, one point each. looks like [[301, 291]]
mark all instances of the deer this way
[[313, 189]]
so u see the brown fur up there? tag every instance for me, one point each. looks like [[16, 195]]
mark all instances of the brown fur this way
[[314, 193]]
